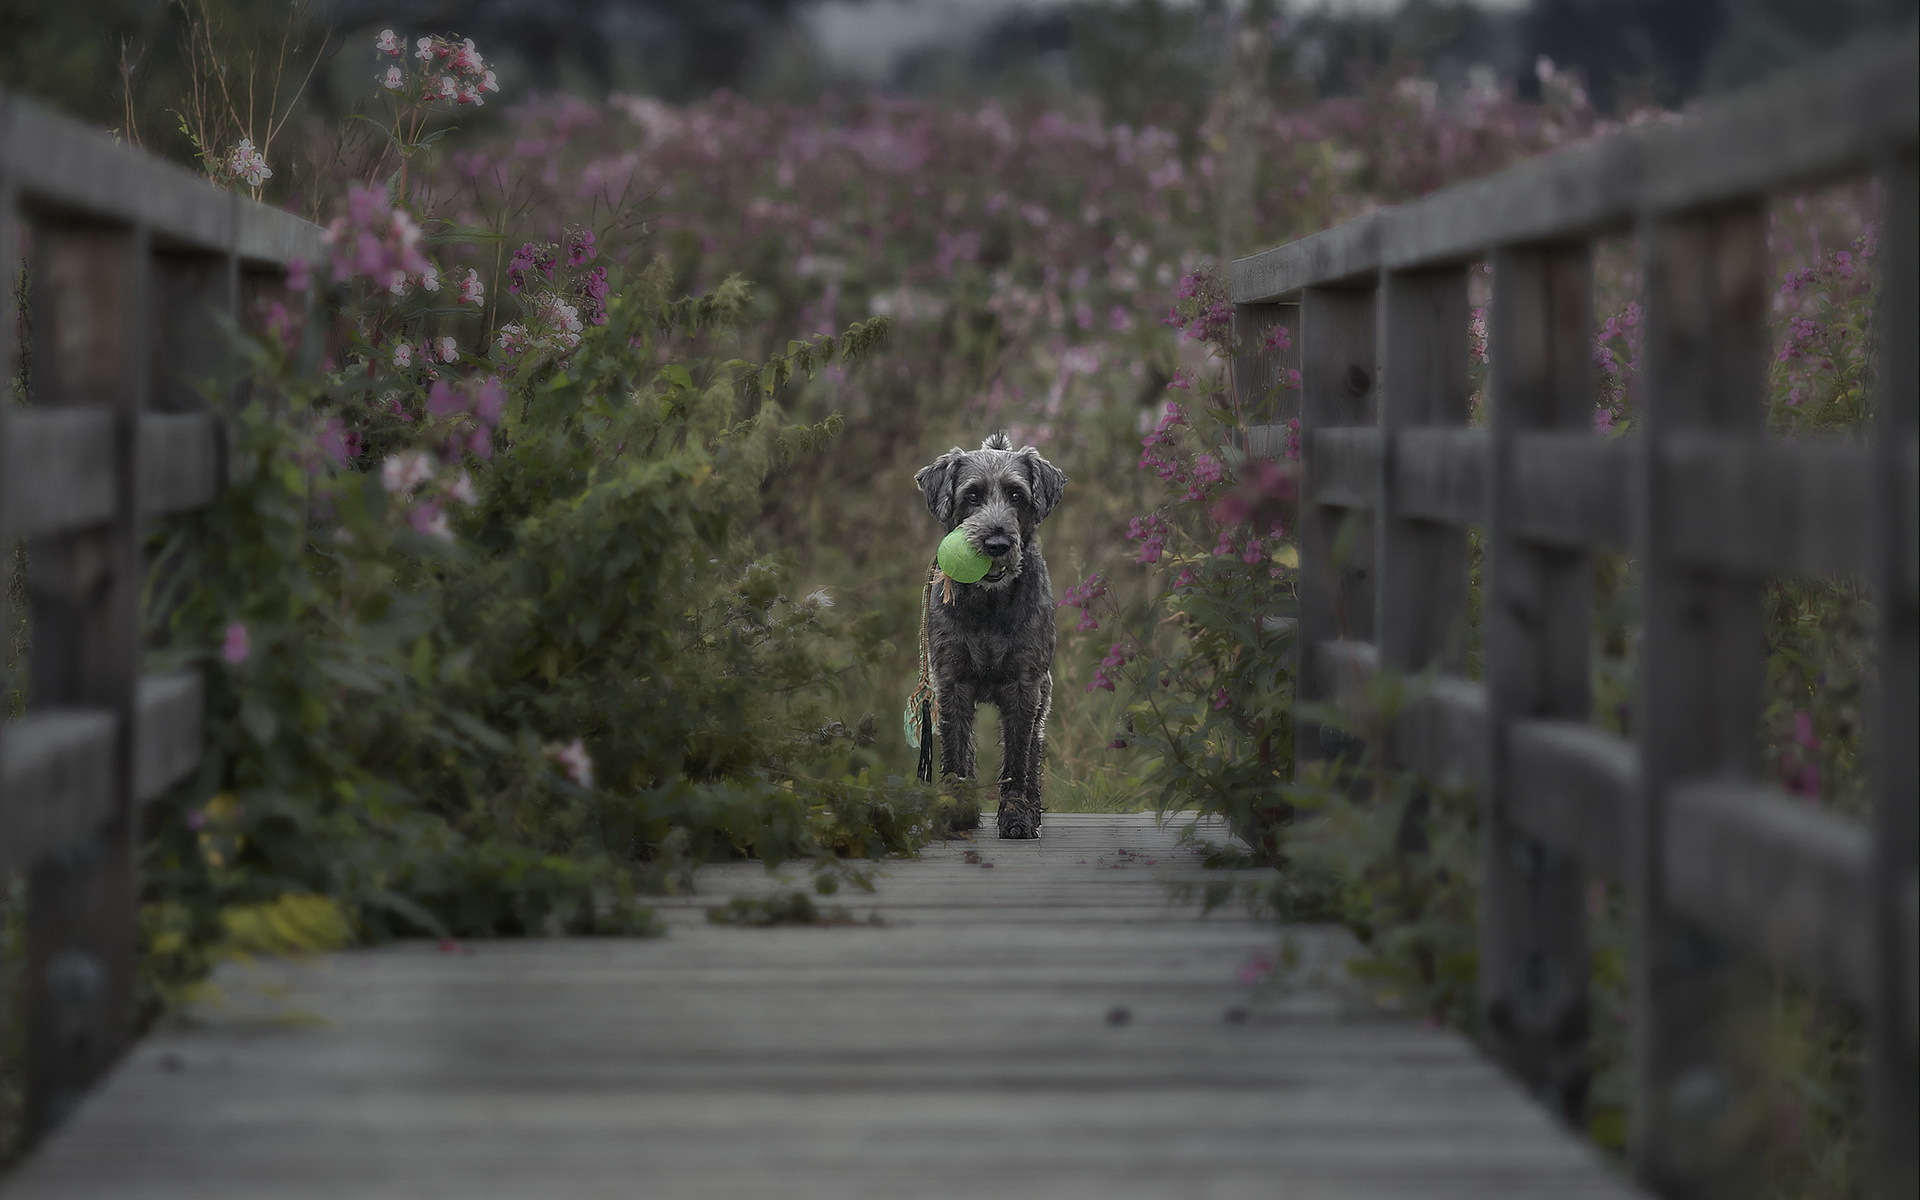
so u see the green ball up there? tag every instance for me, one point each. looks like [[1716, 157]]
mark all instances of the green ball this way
[[961, 562]]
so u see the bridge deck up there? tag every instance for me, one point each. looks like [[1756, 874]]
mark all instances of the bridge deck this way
[[969, 1046]]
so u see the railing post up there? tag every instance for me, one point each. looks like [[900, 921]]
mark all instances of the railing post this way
[[1893, 1073], [1260, 374], [1537, 602], [1337, 373], [1701, 673], [89, 293], [1422, 605]]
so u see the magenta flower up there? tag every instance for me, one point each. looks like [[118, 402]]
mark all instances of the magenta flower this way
[[236, 649], [1221, 699]]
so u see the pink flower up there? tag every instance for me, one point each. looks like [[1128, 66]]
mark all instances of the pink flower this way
[[1180, 380], [490, 401], [446, 349], [1278, 339], [1803, 734], [580, 249], [429, 519], [1185, 579], [393, 80], [403, 356], [1221, 699], [299, 275], [236, 649], [404, 472], [339, 443], [388, 43], [1252, 553], [471, 289], [1257, 967]]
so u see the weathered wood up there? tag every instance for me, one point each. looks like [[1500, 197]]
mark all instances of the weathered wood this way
[[60, 166], [1534, 965], [1764, 507], [1337, 373], [1893, 1085], [1571, 786], [1440, 475], [1346, 466], [1767, 873], [56, 769], [1570, 489], [1421, 609], [1701, 667], [170, 731], [1260, 381], [59, 470], [963, 1049], [89, 293], [1832, 120], [181, 462], [1438, 726]]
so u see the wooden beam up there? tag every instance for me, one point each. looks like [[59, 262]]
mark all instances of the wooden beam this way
[[1570, 489], [1571, 788], [1700, 677], [1335, 588], [56, 770], [1347, 464], [1536, 617], [63, 167], [1833, 119], [181, 462], [1440, 475], [1893, 721], [1773, 876], [59, 470], [171, 731]]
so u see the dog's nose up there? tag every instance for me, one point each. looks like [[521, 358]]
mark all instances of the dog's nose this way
[[996, 545]]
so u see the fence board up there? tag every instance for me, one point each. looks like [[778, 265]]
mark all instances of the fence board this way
[[1347, 466], [1440, 475], [1760, 506], [59, 470], [170, 734], [1822, 123], [1893, 1096], [1571, 489], [1571, 787], [1770, 874], [1534, 962], [181, 465], [56, 767], [1700, 673]]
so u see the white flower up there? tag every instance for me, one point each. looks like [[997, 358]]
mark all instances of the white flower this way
[[820, 598], [513, 339], [404, 472], [249, 164], [462, 489], [573, 759], [446, 350], [425, 49], [388, 43], [394, 79], [430, 278], [403, 356], [471, 289]]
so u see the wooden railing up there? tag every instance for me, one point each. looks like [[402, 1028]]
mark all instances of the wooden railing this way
[[132, 265], [1711, 856]]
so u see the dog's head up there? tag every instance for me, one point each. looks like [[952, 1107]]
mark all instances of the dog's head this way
[[999, 495]]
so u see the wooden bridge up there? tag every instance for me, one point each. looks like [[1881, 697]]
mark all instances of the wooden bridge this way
[[1039, 1019]]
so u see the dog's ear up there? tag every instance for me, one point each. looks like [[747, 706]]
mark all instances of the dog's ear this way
[[1047, 481], [937, 480]]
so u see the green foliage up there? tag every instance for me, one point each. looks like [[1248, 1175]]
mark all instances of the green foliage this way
[[791, 908]]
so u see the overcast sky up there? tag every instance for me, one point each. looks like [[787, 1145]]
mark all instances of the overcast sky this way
[[863, 37]]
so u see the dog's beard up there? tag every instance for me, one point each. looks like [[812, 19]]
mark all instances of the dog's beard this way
[[1006, 568]]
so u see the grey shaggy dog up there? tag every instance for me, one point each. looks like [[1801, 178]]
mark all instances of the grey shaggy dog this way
[[994, 643]]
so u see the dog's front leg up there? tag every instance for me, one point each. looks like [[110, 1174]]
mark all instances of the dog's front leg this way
[[1022, 709], [957, 705]]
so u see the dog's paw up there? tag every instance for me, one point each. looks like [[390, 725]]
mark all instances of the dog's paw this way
[[1019, 820]]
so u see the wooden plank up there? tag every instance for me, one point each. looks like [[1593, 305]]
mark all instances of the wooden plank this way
[[1766, 507], [1346, 466], [59, 470], [1699, 681], [1572, 785], [1570, 489], [1335, 587], [1774, 876], [182, 463], [63, 167], [968, 1057], [1420, 622], [171, 733], [56, 771], [1440, 475], [1536, 616], [1441, 732], [89, 319], [1261, 389], [1830, 120], [1893, 1005]]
